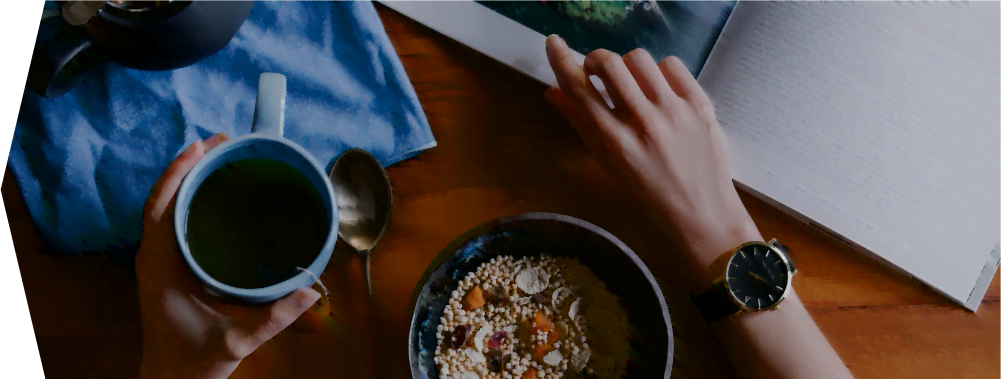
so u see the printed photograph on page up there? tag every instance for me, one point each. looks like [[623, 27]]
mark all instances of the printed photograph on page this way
[[686, 29]]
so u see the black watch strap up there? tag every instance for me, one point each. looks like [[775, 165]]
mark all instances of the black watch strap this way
[[715, 303], [785, 251]]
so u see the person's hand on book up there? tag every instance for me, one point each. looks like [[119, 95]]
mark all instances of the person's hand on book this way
[[661, 135]]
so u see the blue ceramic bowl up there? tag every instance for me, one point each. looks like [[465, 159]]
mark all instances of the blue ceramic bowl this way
[[528, 235]]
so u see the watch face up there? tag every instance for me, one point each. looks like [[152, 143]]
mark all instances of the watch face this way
[[757, 276]]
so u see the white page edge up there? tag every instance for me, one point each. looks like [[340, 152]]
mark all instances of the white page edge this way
[[986, 276]]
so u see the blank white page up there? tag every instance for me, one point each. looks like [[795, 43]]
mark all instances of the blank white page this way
[[877, 121]]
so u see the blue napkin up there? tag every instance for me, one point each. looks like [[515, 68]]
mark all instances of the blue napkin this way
[[85, 161]]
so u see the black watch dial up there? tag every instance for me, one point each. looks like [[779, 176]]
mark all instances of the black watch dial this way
[[757, 276]]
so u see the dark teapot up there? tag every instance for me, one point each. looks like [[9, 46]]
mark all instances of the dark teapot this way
[[145, 35]]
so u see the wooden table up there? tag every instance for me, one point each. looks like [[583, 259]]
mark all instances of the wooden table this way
[[503, 150]]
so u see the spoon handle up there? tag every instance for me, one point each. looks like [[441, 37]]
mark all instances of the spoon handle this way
[[367, 254]]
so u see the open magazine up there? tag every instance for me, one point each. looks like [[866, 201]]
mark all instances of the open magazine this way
[[878, 123], [514, 32], [686, 29]]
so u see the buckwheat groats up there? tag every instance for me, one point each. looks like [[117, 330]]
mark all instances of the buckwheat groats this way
[[544, 317]]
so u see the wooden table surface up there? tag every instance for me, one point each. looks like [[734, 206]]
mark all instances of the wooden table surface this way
[[503, 150]]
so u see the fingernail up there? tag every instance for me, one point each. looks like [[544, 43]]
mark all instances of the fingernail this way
[[221, 136], [555, 41], [192, 147], [550, 92]]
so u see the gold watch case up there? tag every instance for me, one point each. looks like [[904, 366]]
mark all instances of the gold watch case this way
[[771, 244]]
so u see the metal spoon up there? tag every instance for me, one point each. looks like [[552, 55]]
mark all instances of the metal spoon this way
[[77, 13], [364, 201]]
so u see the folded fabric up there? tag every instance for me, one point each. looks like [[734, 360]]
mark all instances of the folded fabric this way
[[86, 160]]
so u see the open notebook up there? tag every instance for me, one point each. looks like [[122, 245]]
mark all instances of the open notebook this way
[[879, 123]]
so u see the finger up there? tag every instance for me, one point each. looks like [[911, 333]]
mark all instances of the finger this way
[[215, 140], [558, 99], [683, 83], [619, 82], [598, 140], [587, 133], [648, 76], [575, 83], [265, 323], [166, 186], [169, 180]]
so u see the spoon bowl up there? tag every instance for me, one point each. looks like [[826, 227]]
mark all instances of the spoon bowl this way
[[364, 202]]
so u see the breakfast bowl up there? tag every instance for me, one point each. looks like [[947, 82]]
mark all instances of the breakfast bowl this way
[[650, 341]]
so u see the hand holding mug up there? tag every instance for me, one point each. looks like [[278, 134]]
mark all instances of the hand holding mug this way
[[188, 332]]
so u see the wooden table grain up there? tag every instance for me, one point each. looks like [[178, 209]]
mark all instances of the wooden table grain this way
[[502, 150]]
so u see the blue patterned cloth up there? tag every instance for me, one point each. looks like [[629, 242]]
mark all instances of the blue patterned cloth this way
[[86, 160]]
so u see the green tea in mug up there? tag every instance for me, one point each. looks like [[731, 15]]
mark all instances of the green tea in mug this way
[[252, 222]]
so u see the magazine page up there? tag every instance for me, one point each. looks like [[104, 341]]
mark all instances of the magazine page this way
[[686, 29], [514, 33], [878, 122]]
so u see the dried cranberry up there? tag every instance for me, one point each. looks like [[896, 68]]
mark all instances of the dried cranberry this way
[[539, 298], [496, 339], [490, 295], [503, 296], [460, 335], [495, 360]]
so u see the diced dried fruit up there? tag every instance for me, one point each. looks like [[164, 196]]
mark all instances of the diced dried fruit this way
[[539, 298], [497, 295], [459, 336], [474, 299], [495, 360], [525, 331], [554, 336], [504, 296], [542, 323], [541, 350], [497, 339], [529, 374]]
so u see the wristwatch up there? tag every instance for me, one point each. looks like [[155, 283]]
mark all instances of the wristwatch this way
[[757, 276]]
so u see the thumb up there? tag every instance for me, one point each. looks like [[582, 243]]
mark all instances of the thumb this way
[[268, 322]]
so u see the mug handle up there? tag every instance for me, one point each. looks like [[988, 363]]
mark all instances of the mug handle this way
[[269, 112], [62, 55]]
